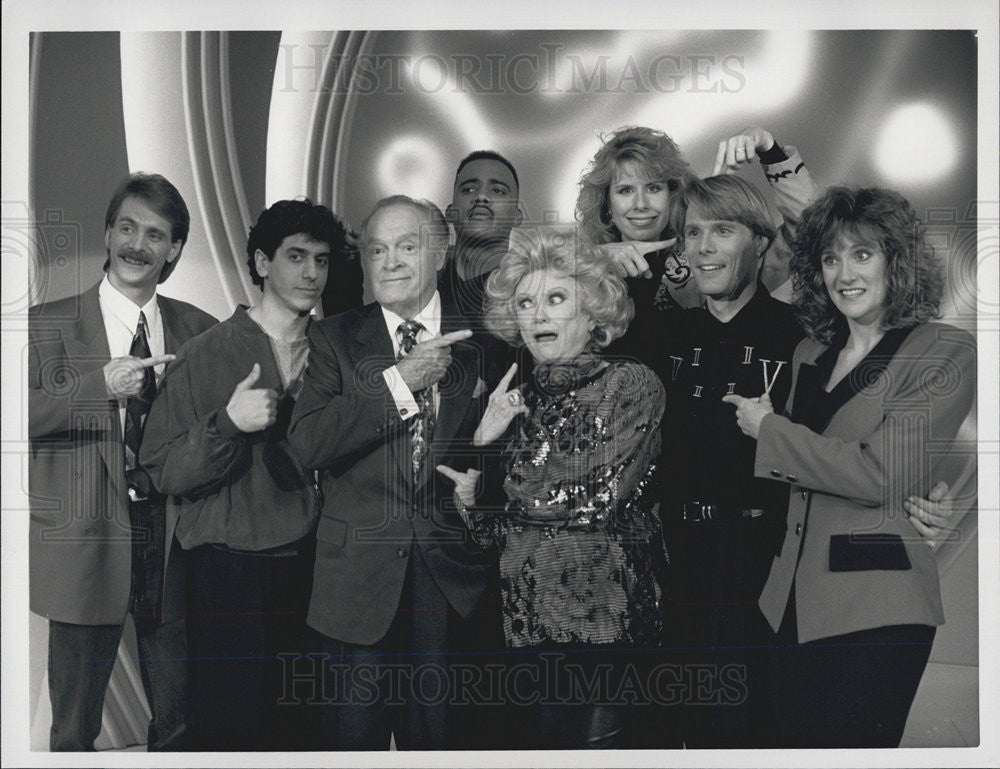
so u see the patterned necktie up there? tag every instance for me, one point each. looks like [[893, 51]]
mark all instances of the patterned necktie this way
[[422, 425], [135, 412]]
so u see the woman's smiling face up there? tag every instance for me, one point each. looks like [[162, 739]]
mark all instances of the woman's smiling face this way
[[854, 272], [639, 205]]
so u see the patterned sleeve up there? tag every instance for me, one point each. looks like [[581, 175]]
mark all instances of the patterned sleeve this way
[[483, 519], [607, 468]]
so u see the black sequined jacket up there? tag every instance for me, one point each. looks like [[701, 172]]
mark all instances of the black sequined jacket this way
[[582, 556]]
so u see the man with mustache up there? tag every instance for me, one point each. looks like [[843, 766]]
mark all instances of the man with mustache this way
[[243, 507], [97, 542], [483, 210]]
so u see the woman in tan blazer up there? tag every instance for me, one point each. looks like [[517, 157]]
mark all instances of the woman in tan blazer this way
[[879, 394]]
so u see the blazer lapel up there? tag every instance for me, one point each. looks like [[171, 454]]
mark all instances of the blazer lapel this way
[[171, 324], [456, 390], [90, 343], [805, 386], [818, 414], [373, 352]]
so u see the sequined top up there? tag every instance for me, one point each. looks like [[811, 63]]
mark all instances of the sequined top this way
[[581, 551]]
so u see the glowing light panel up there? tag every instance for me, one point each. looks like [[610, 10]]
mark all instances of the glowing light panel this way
[[412, 165], [916, 145]]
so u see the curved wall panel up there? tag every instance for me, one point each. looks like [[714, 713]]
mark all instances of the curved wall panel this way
[[169, 130]]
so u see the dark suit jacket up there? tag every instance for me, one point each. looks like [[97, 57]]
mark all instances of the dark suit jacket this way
[[855, 560], [346, 424], [80, 539]]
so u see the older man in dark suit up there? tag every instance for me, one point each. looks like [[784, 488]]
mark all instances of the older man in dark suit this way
[[396, 585], [97, 549]]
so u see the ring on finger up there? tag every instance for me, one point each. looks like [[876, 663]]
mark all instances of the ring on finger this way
[[514, 398]]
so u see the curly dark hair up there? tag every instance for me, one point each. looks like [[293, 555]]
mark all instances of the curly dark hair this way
[[885, 218], [604, 296], [293, 217], [654, 152]]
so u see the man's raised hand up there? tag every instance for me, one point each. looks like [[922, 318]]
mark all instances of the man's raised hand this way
[[252, 409], [123, 376], [428, 361]]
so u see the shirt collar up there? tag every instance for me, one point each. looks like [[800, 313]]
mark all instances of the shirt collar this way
[[429, 318], [125, 310], [757, 304]]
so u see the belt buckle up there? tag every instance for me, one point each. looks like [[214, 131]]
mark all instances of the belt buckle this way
[[698, 512], [135, 496]]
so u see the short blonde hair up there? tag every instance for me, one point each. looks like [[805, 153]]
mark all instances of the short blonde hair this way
[[604, 296]]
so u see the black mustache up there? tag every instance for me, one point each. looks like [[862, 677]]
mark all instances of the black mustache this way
[[131, 253]]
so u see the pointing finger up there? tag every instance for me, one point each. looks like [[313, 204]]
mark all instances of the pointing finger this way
[[736, 400], [658, 245], [646, 246], [505, 381], [156, 360], [447, 472], [720, 159], [450, 338]]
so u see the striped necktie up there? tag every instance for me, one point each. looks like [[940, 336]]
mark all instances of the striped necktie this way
[[136, 410], [422, 425]]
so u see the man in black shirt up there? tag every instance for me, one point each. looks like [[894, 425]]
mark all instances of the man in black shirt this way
[[723, 525], [483, 210]]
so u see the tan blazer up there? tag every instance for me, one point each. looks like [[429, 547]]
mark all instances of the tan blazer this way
[[855, 560], [80, 551]]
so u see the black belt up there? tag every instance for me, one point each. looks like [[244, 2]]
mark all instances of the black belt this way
[[707, 512]]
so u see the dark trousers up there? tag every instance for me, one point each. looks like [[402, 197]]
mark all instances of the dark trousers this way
[[244, 610], [400, 686], [715, 630], [81, 658], [847, 691], [567, 698]]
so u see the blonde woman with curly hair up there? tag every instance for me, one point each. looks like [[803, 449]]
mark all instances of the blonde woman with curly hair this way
[[568, 500]]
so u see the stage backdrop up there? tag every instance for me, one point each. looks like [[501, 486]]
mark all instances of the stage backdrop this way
[[238, 120]]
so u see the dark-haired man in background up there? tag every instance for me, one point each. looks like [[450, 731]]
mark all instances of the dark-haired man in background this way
[[245, 507], [97, 543], [484, 208]]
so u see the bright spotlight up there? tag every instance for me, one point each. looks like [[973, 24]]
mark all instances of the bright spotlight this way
[[916, 145], [412, 166]]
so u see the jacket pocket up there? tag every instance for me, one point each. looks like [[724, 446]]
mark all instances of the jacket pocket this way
[[868, 552], [332, 531]]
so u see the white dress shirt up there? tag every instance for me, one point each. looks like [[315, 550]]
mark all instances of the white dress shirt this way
[[121, 319], [430, 319]]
